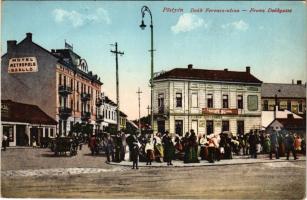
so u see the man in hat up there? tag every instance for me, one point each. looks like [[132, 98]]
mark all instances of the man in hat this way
[[289, 143], [118, 146], [134, 149]]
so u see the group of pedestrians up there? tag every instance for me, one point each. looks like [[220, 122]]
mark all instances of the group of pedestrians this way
[[113, 146], [164, 147]]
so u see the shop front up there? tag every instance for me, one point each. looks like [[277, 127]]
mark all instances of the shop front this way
[[23, 124]]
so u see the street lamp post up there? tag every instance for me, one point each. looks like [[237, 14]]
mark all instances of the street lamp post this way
[[142, 26]]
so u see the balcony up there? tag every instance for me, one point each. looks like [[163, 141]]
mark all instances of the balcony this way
[[64, 90], [98, 102], [162, 113], [99, 118], [85, 96], [64, 112], [85, 116]]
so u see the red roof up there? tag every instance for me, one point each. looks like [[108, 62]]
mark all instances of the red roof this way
[[209, 75], [26, 113]]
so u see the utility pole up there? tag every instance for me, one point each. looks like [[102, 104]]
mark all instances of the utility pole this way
[[148, 108], [116, 52], [139, 92]]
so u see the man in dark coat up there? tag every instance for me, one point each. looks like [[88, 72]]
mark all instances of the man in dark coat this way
[[134, 149], [185, 143], [274, 144], [289, 143], [168, 148], [253, 140], [92, 144], [118, 146]]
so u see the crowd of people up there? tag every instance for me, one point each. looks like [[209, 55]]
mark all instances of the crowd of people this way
[[191, 148]]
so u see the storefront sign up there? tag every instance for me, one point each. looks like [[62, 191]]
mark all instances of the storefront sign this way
[[22, 65], [222, 111]]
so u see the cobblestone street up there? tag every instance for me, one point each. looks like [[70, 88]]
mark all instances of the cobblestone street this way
[[37, 173]]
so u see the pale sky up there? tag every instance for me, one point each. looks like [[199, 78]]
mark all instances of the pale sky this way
[[273, 44]]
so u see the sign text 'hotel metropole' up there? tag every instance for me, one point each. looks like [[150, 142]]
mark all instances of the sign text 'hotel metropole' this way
[[22, 65]]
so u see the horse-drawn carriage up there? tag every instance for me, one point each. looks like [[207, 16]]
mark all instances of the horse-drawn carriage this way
[[62, 145]]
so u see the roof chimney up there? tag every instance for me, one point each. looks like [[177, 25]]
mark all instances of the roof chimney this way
[[290, 116], [190, 66], [292, 81], [299, 82], [29, 36], [226, 70], [248, 69], [11, 46]]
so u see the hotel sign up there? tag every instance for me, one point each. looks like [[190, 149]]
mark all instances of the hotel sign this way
[[220, 111], [22, 65]]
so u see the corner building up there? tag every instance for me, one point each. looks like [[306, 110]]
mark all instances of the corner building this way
[[207, 101], [58, 81]]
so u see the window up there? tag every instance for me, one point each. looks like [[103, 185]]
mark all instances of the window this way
[[283, 105], [161, 103], [265, 105], [78, 106], [71, 104], [71, 84], [64, 80], [210, 101], [60, 101], [240, 127], [240, 101], [300, 106], [51, 132], [178, 99], [289, 105], [225, 101], [60, 79], [179, 127], [252, 102], [225, 126], [194, 100], [209, 127]]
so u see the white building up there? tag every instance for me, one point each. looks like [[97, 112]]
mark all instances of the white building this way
[[108, 112], [207, 101]]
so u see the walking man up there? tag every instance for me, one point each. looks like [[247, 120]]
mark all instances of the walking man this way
[[289, 143], [274, 144]]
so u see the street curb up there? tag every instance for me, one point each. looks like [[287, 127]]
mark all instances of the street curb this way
[[205, 164]]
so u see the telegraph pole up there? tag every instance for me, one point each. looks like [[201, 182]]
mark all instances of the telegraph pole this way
[[116, 52], [139, 92], [148, 108]]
